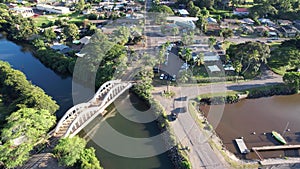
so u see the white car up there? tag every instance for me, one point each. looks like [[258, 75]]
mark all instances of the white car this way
[[161, 77]]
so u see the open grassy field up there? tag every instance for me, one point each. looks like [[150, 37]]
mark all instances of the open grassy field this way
[[46, 19], [71, 18]]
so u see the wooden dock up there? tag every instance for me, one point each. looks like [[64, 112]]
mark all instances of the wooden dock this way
[[280, 147]]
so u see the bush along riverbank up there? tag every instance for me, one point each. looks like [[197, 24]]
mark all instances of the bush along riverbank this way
[[29, 116], [218, 99], [143, 90]]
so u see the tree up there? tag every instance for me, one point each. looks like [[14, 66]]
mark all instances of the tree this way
[[72, 150], [71, 31], [193, 10], [212, 41], [69, 150], [161, 9], [175, 31], [249, 55], [80, 5], [187, 54], [185, 76], [201, 23], [23, 129], [49, 34], [144, 87], [292, 80], [226, 33], [89, 159], [122, 35]]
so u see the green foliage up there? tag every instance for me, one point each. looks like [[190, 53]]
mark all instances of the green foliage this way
[[71, 151], [162, 9], [23, 129], [89, 160], [193, 10], [16, 26], [249, 56], [12, 156], [28, 122], [144, 86], [49, 34], [186, 165], [226, 33], [71, 31], [271, 91], [292, 80], [18, 92]]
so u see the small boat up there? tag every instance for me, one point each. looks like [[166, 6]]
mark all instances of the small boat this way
[[278, 137]]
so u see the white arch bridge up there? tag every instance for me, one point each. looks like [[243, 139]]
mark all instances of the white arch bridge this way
[[80, 115]]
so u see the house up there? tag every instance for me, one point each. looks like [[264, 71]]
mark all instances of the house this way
[[240, 11], [213, 29], [247, 21], [183, 22], [289, 31], [24, 11], [211, 57], [261, 30], [296, 23], [53, 9], [183, 12], [61, 48], [284, 22], [213, 68], [211, 20]]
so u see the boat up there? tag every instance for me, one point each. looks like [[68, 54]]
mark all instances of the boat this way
[[278, 137]]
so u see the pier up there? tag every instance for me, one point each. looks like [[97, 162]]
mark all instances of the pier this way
[[280, 147]]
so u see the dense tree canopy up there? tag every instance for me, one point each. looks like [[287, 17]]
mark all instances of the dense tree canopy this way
[[292, 79], [18, 92], [16, 26], [72, 151], [23, 129], [249, 56], [287, 56]]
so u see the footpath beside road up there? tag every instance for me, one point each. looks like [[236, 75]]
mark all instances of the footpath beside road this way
[[188, 133]]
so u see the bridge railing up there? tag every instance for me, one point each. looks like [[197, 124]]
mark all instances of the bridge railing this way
[[89, 114], [103, 87], [71, 112]]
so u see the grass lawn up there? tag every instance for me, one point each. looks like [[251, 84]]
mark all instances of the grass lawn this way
[[44, 19], [75, 17], [72, 18]]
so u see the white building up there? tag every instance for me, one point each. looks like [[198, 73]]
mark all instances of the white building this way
[[53, 9], [24, 11], [183, 22]]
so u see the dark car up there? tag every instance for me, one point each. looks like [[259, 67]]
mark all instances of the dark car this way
[[155, 70], [174, 116]]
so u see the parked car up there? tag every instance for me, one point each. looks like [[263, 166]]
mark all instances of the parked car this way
[[174, 116], [162, 76], [155, 70]]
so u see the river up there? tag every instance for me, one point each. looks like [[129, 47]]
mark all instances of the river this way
[[242, 119], [60, 89]]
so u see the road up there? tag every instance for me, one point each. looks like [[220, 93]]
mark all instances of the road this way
[[185, 127]]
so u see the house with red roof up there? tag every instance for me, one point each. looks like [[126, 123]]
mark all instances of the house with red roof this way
[[240, 11]]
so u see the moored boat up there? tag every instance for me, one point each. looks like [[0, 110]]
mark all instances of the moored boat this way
[[278, 137]]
